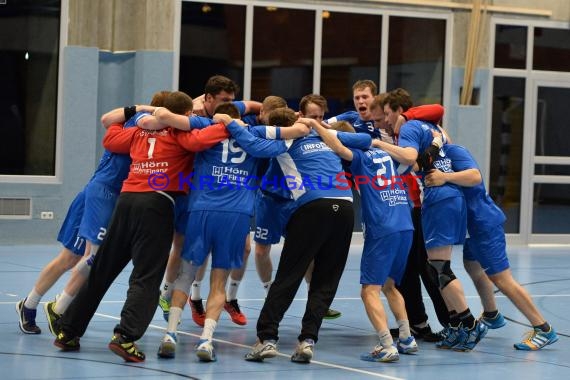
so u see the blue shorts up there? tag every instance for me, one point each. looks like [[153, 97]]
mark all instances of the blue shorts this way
[[219, 232], [385, 257], [181, 214], [69, 232], [445, 223], [489, 249], [271, 217], [100, 201]]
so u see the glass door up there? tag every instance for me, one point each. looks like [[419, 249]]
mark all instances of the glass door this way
[[548, 188]]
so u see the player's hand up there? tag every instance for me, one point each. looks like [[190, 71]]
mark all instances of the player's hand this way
[[435, 178]]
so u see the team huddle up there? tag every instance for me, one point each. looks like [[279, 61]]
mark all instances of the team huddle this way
[[181, 179]]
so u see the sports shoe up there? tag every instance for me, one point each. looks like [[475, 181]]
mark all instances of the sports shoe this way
[[66, 342], [472, 337], [536, 339], [165, 306], [407, 346], [426, 334], [205, 351], [52, 317], [493, 323], [27, 319], [303, 352], [167, 348], [198, 313], [332, 314], [262, 350], [126, 349], [453, 337], [232, 307], [381, 354]]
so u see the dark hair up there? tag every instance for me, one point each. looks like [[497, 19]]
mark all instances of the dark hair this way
[[319, 100], [363, 83], [283, 117], [158, 98], [229, 109], [219, 83], [399, 98], [178, 102]]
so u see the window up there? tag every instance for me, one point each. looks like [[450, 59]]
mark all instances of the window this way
[[212, 41], [29, 52], [507, 146], [348, 54], [416, 52], [282, 57], [551, 49], [510, 46]]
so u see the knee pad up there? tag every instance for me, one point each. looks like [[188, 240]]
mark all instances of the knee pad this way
[[444, 273], [186, 276]]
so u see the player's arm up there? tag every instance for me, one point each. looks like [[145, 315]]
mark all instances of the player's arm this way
[[404, 155], [466, 178], [163, 117], [429, 112], [254, 145], [122, 114], [118, 139], [332, 141], [198, 140]]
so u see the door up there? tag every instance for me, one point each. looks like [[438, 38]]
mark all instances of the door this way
[[546, 198]]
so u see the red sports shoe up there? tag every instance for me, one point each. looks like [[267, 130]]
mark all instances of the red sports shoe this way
[[198, 313], [232, 307]]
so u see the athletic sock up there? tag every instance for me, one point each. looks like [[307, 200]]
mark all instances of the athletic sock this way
[[196, 291], [467, 319], [231, 293], [63, 302], [490, 314], [33, 299]]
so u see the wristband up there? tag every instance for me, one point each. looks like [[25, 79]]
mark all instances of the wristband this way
[[129, 112]]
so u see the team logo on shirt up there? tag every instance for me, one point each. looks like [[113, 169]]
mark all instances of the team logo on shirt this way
[[335, 207]]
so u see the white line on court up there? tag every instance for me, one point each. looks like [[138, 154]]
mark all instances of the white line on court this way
[[325, 364]]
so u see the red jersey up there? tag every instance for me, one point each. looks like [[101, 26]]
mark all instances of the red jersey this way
[[166, 154]]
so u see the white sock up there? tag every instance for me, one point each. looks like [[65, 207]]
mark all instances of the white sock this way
[[63, 302], [173, 318], [404, 329], [33, 299], [231, 293], [266, 286], [167, 290], [196, 291], [386, 340], [209, 327]]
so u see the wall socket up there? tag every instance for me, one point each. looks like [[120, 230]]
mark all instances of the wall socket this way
[[46, 215]]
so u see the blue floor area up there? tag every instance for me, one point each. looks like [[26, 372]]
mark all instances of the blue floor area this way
[[544, 272]]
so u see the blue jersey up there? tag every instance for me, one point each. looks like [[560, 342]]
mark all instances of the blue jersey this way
[[385, 206], [113, 168], [359, 125], [483, 214], [418, 135], [224, 177], [311, 170]]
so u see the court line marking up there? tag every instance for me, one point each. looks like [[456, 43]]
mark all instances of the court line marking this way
[[325, 364]]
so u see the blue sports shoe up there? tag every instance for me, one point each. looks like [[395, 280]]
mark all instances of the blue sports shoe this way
[[205, 351], [453, 337], [493, 323], [536, 339], [407, 346], [472, 337]]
